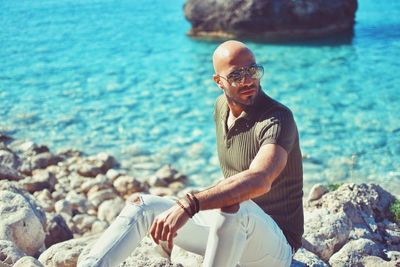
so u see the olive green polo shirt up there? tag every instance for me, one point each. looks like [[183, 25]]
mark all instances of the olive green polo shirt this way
[[265, 122]]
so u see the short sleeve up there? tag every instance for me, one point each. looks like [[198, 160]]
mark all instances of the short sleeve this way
[[278, 128]]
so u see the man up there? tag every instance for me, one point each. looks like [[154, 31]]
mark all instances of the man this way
[[254, 217]]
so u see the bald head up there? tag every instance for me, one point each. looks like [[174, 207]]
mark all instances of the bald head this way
[[231, 53]]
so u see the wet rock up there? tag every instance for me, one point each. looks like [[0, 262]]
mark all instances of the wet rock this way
[[109, 209], [28, 261], [352, 253], [126, 185], [9, 253], [41, 179], [325, 232], [307, 258], [9, 159], [66, 253], [8, 173], [267, 19], [19, 222], [57, 230], [27, 148], [5, 138], [69, 153], [316, 192], [43, 160]]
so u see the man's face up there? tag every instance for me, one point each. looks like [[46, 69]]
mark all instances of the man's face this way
[[244, 92]]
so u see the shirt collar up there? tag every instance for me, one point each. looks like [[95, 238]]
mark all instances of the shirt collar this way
[[248, 112]]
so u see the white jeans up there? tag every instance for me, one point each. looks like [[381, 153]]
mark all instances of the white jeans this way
[[249, 237]]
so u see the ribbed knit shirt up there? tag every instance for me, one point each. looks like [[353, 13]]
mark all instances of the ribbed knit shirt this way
[[265, 122]]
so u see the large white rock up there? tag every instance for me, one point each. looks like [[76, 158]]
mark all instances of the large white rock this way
[[19, 222], [65, 254], [352, 253], [9, 253], [325, 232]]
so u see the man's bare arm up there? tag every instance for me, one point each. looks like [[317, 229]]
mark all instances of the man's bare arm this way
[[257, 180]]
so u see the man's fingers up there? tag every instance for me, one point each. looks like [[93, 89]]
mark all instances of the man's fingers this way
[[158, 231], [165, 232], [170, 239], [152, 230]]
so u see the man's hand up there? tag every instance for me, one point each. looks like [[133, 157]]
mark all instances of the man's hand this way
[[167, 224]]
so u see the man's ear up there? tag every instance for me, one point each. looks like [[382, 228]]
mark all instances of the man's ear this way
[[218, 81]]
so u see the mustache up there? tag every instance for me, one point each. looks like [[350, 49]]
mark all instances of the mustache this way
[[245, 88]]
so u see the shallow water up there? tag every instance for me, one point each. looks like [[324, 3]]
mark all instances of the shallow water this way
[[122, 76]]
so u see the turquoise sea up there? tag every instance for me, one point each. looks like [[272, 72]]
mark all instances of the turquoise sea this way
[[122, 77]]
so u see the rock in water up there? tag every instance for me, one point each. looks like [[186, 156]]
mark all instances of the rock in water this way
[[269, 19]]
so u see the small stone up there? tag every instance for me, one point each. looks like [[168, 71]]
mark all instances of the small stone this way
[[42, 160], [83, 223], [40, 180], [126, 185], [99, 197], [316, 192], [308, 258], [113, 174], [99, 226]]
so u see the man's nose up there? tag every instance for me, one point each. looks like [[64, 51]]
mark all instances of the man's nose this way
[[247, 80]]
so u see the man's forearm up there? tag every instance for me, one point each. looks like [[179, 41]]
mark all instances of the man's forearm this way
[[233, 190]]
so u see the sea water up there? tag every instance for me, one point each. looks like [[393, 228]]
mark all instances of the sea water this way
[[123, 77]]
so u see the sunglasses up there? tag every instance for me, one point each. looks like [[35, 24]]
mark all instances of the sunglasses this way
[[238, 76]]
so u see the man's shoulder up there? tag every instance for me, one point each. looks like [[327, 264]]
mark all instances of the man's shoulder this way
[[271, 108], [219, 104]]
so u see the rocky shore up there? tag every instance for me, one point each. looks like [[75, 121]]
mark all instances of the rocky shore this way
[[52, 205]]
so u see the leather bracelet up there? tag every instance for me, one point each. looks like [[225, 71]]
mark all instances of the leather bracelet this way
[[191, 203], [184, 208], [195, 201]]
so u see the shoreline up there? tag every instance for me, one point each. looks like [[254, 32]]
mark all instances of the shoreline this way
[[69, 198]]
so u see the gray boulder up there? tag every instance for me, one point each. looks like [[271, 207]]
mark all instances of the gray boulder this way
[[325, 232], [269, 19], [354, 251], [19, 223]]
